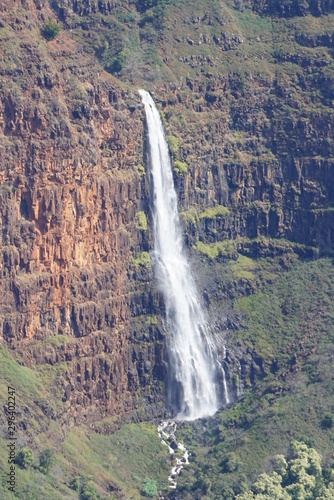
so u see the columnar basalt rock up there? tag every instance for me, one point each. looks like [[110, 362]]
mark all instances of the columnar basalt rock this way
[[241, 162], [72, 140], [75, 288]]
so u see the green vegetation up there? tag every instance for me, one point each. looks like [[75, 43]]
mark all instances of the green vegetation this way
[[299, 478], [217, 211], [141, 170], [31, 393], [180, 167], [149, 488], [288, 326], [142, 259], [243, 268], [220, 249], [153, 12], [151, 319], [246, 98], [89, 492], [46, 460], [141, 221], [125, 457], [118, 63], [294, 306], [173, 144], [24, 458], [230, 248], [20, 376], [51, 29], [190, 216]]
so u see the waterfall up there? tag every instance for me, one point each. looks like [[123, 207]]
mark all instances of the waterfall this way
[[192, 368], [227, 397]]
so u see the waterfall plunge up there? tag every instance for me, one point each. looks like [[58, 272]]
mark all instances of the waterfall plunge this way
[[192, 367]]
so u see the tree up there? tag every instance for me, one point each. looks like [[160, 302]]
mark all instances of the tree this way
[[327, 422], [85, 487], [230, 462], [270, 487], [299, 479], [149, 488], [118, 62], [46, 460], [50, 29], [24, 458], [89, 492], [280, 465]]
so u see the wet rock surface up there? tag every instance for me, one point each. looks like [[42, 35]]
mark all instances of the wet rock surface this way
[[180, 455]]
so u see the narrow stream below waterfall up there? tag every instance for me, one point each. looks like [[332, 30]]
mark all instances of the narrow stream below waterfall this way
[[179, 453]]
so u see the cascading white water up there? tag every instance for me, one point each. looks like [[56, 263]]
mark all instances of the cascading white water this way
[[227, 398], [192, 367]]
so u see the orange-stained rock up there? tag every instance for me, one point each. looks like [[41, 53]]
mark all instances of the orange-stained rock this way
[[68, 202]]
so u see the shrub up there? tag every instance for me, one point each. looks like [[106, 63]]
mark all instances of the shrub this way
[[151, 320], [89, 492], [146, 4], [75, 483], [230, 463], [85, 487], [180, 167], [141, 221], [217, 211], [50, 29], [235, 380], [327, 422], [301, 477], [142, 259], [280, 464], [227, 493], [46, 459], [149, 488], [154, 11], [24, 458], [141, 170], [118, 63], [173, 144]]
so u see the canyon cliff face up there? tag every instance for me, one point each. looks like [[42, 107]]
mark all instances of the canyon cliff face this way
[[250, 116], [71, 189], [248, 164]]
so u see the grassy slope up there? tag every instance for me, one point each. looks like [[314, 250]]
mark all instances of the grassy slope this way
[[290, 325], [118, 462]]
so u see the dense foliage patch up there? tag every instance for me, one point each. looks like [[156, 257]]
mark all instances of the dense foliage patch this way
[[289, 328], [300, 477], [51, 29]]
